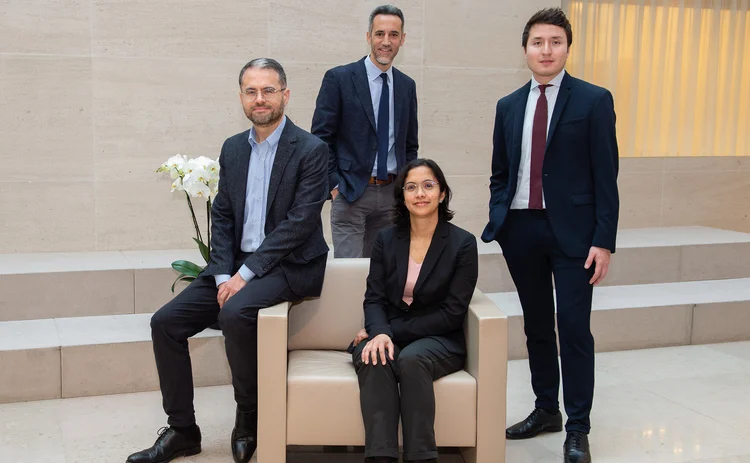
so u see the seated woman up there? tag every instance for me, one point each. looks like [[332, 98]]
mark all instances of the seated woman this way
[[423, 271]]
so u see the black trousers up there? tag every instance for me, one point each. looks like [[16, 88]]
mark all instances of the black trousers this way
[[415, 367], [534, 258], [192, 311]]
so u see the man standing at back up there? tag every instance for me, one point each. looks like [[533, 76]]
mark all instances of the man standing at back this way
[[553, 209], [366, 112]]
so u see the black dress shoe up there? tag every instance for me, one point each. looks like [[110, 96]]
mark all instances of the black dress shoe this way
[[537, 422], [380, 460], [170, 445], [244, 436], [576, 448]]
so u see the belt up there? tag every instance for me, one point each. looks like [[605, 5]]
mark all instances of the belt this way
[[529, 212], [375, 181]]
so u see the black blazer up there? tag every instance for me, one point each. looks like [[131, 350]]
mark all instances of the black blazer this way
[[345, 120], [580, 166], [441, 295], [294, 233]]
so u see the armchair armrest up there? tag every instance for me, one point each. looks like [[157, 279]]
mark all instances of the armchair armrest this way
[[486, 329], [272, 377]]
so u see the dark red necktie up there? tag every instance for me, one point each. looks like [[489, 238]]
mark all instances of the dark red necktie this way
[[538, 146]]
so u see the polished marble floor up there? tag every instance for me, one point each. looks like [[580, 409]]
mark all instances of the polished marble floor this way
[[674, 405]]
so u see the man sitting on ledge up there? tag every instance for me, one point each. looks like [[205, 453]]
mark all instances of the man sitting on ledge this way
[[267, 247]]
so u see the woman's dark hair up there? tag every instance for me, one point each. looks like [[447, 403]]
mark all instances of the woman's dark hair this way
[[400, 212]]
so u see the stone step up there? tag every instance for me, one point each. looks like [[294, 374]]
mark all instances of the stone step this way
[[654, 315], [90, 356], [40, 286], [61, 285], [110, 354], [649, 255]]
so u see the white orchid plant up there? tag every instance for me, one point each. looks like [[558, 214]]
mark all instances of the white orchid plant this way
[[198, 178]]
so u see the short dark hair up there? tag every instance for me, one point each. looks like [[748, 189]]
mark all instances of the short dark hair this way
[[400, 212], [387, 9], [265, 63], [553, 16]]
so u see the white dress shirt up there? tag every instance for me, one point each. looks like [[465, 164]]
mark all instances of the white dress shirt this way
[[521, 199]]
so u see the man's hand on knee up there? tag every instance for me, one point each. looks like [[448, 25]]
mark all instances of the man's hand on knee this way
[[229, 289]]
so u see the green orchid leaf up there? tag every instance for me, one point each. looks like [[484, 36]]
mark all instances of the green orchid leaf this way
[[203, 248], [187, 268]]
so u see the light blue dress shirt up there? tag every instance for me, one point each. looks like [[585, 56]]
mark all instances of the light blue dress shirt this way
[[376, 88], [256, 196]]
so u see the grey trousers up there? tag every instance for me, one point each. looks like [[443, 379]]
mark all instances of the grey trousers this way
[[355, 225], [414, 369]]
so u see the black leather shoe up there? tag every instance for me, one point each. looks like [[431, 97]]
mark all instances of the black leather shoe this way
[[244, 436], [576, 448], [170, 445], [380, 460], [537, 422]]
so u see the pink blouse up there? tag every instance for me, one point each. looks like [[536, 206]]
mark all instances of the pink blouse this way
[[411, 280]]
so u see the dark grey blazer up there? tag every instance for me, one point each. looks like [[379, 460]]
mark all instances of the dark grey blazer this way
[[296, 193]]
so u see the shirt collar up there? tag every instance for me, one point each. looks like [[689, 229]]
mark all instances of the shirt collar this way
[[273, 139], [373, 72], [555, 82]]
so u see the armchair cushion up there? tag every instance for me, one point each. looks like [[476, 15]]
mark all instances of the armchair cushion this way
[[323, 389]]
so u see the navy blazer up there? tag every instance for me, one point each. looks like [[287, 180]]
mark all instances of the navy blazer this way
[[442, 293], [580, 166], [344, 118], [294, 230]]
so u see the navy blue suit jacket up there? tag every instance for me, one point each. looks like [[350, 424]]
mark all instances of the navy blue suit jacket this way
[[579, 171], [345, 120]]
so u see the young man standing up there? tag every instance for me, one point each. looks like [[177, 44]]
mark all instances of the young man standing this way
[[553, 209]]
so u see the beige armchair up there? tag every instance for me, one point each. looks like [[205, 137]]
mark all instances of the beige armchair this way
[[308, 392]]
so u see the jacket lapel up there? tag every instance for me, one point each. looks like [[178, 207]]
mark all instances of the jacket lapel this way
[[283, 154], [562, 99], [398, 99], [520, 113], [244, 151], [359, 77], [439, 240], [402, 260]]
